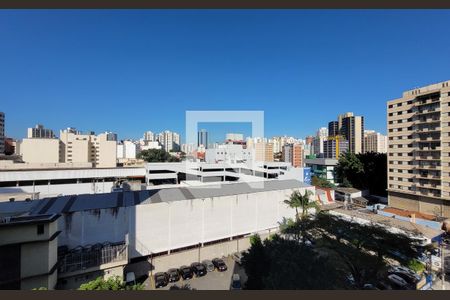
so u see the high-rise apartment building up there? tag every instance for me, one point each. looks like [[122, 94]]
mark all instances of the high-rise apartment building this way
[[374, 142], [2, 133], [202, 138], [333, 128], [263, 151], [318, 143], [98, 150], [149, 136], [170, 141], [419, 150], [39, 132], [352, 129], [293, 153], [335, 146]]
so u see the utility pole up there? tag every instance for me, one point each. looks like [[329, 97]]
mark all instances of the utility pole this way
[[442, 264]]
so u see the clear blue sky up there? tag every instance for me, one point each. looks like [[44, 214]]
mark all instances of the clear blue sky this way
[[130, 71]]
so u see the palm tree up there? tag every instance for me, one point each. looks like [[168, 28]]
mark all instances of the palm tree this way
[[297, 200]]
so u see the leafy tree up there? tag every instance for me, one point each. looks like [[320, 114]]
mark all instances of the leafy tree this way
[[185, 286], [114, 283], [297, 200], [341, 254], [416, 266], [285, 264], [157, 155], [363, 171], [321, 182]]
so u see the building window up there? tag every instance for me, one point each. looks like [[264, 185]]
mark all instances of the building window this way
[[40, 229]]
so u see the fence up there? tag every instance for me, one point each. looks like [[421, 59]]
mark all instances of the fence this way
[[82, 258]]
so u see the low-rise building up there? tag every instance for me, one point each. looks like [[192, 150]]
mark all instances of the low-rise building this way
[[28, 251], [323, 168]]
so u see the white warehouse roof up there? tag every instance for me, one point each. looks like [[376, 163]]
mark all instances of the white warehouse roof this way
[[66, 204]]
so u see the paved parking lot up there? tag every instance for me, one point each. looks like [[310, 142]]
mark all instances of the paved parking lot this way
[[213, 280]]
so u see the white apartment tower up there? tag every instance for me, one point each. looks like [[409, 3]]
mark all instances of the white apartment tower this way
[[170, 141], [419, 150], [374, 142], [319, 139], [149, 136], [39, 132]]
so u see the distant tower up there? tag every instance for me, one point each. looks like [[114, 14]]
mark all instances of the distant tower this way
[[202, 138]]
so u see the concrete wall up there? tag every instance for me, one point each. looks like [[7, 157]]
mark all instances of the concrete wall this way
[[40, 150], [159, 227], [176, 260]]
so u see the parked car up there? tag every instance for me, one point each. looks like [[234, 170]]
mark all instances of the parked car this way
[[369, 286], [209, 265], [413, 276], [130, 278], [161, 279], [199, 269], [397, 282], [383, 286], [237, 257], [219, 264], [186, 272], [174, 275], [236, 282]]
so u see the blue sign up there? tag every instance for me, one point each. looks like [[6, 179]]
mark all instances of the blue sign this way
[[307, 175]]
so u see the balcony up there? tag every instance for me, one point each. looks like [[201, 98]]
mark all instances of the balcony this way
[[428, 177], [91, 257], [427, 149], [428, 111], [427, 121], [427, 130], [427, 102]]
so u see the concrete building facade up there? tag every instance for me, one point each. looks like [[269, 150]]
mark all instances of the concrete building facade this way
[[334, 146], [374, 142], [419, 150], [39, 132], [228, 153], [263, 151], [76, 147], [352, 129], [293, 153], [40, 150], [28, 252]]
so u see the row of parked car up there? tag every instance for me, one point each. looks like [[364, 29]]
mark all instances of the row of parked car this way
[[398, 278], [196, 269]]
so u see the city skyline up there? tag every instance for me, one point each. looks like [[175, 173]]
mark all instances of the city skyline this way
[[86, 80]]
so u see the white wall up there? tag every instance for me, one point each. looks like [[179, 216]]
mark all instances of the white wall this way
[[161, 227]]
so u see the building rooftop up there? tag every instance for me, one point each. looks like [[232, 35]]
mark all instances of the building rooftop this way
[[67, 204], [27, 220]]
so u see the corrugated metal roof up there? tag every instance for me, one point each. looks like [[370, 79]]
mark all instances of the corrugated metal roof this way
[[67, 204]]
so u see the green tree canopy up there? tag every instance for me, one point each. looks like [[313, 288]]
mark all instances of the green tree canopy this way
[[114, 283], [157, 155], [325, 251], [321, 182], [363, 171]]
